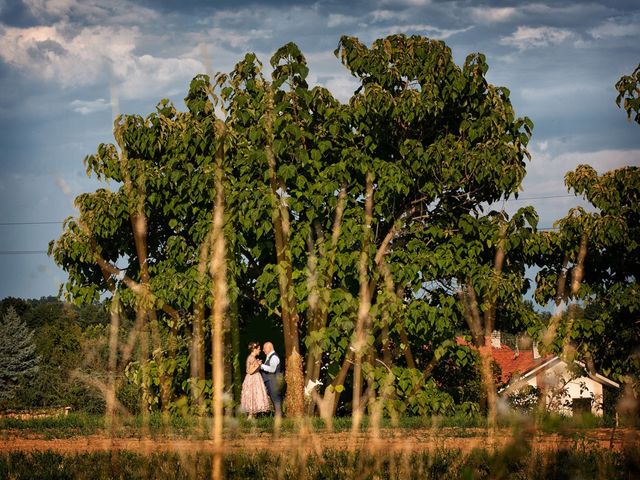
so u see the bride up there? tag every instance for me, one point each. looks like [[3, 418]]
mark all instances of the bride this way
[[254, 397]]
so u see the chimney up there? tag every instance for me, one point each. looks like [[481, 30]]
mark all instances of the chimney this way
[[495, 339], [536, 354]]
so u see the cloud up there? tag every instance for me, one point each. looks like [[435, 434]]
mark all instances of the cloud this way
[[325, 70], [493, 15], [531, 37], [48, 9], [86, 107], [148, 75], [544, 187], [88, 42], [405, 3], [545, 173], [64, 186], [70, 58], [87, 56], [616, 28], [337, 19], [559, 92], [237, 16], [602, 160], [231, 33], [425, 29], [341, 86], [238, 39], [387, 15], [90, 12], [543, 145], [567, 11]]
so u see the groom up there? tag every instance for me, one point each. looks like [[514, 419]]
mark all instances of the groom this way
[[271, 372]]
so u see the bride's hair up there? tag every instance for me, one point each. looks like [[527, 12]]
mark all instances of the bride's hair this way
[[253, 345]]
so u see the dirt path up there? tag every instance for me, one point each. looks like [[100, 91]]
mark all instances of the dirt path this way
[[389, 440]]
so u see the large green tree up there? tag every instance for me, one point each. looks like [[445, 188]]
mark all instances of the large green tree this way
[[427, 143], [358, 227], [594, 258], [289, 150], [442, 142], [147, 242]]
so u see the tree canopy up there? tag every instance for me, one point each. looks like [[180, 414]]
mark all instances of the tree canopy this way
[[628, 98], [360, 228]]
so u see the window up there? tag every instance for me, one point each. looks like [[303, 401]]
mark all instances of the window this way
[[580, 406]]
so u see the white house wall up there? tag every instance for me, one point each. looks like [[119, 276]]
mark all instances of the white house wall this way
[[581, 387]]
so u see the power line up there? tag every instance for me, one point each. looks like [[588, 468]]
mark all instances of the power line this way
[[29, 223], [44, 252], [22, 252], [507, 200]]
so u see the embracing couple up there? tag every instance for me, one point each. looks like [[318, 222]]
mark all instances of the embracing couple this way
[[262, 382]]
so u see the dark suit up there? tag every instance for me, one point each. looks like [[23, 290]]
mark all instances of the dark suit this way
[[273, 380]]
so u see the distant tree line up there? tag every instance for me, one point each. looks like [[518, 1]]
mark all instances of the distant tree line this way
[[45, 348]]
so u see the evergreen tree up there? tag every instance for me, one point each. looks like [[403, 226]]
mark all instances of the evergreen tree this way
[[18, 359]]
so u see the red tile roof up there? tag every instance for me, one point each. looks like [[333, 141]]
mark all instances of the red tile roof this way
[[509, 361]]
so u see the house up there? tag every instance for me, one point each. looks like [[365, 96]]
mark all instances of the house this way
[[569, 388]]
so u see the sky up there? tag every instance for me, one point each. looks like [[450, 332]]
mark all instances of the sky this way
[[68, 66]]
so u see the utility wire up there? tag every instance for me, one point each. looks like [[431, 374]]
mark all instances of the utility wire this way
[[544, 197], [22, 252], [41, 252], [44, 252], [30, 223]]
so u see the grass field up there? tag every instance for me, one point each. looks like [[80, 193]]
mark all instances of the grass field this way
[[75, 424], [514, 462], [83, 446]]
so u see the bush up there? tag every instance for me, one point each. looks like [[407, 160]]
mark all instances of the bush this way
[[524, 400], [52, 387]]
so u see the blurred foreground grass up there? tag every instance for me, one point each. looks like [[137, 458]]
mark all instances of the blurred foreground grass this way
[[515, 461]]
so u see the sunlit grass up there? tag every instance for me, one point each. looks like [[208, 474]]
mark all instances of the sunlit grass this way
[[155, 424], [512, 462]]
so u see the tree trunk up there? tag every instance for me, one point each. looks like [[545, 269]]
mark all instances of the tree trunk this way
[[322, 285], [136, 199], [237, 371], [364, 308], [280, 216], [197, 337], [114, 328]]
